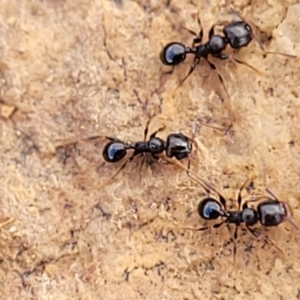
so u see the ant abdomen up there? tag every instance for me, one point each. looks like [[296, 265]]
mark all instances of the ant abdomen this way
[[114, 151], [173, 54], [210, 209]]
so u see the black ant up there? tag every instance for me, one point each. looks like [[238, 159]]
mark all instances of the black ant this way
[[177, 146], [237, 34], [269, 213]]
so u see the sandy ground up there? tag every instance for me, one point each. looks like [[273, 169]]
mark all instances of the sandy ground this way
[[70, 70]]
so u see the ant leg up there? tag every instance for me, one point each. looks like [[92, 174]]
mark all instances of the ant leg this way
[[216, 127], [190, 173], [120, 169], [270, 242], [235, 236], [253, 231], [199, 36], [232, 239], [266, 239], [218, 225], [247, 65], [151, 136], [233, 59], [192, 68], [221, 197], [195, 229], [213, 67], [192, 140], [68, 142], [231, 112], [239, 197], [162, 128], [212, 29], [146, 129]]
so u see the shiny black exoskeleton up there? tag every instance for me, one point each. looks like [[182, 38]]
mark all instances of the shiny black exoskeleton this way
[[270, 212], [212, 209], [273, 212], [237, 34], [177, 145], [115, 150]]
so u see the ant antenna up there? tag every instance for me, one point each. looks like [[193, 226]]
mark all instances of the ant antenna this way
[[197, 40], [241, 62], [215, 126], [192, 139], [211, 187], [254, 35], [239, 201], [192, 68], [190, 173], [130, 159], [196, 229]]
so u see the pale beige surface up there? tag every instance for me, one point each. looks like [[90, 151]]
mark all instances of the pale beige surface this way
[[70, 70]]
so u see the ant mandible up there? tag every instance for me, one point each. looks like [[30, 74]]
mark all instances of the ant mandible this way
[[269, 213], [237, 34]]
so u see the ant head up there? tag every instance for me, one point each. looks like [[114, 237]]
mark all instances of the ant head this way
[[173, 54], [114, 151], [210, 209], [178, 146], [271, 213], [249, 216], [238, 34]]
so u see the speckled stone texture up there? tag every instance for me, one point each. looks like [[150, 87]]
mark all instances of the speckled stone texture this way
[[71, 69]]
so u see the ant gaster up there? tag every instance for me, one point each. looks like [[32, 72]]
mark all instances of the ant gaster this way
[[237, 34]]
